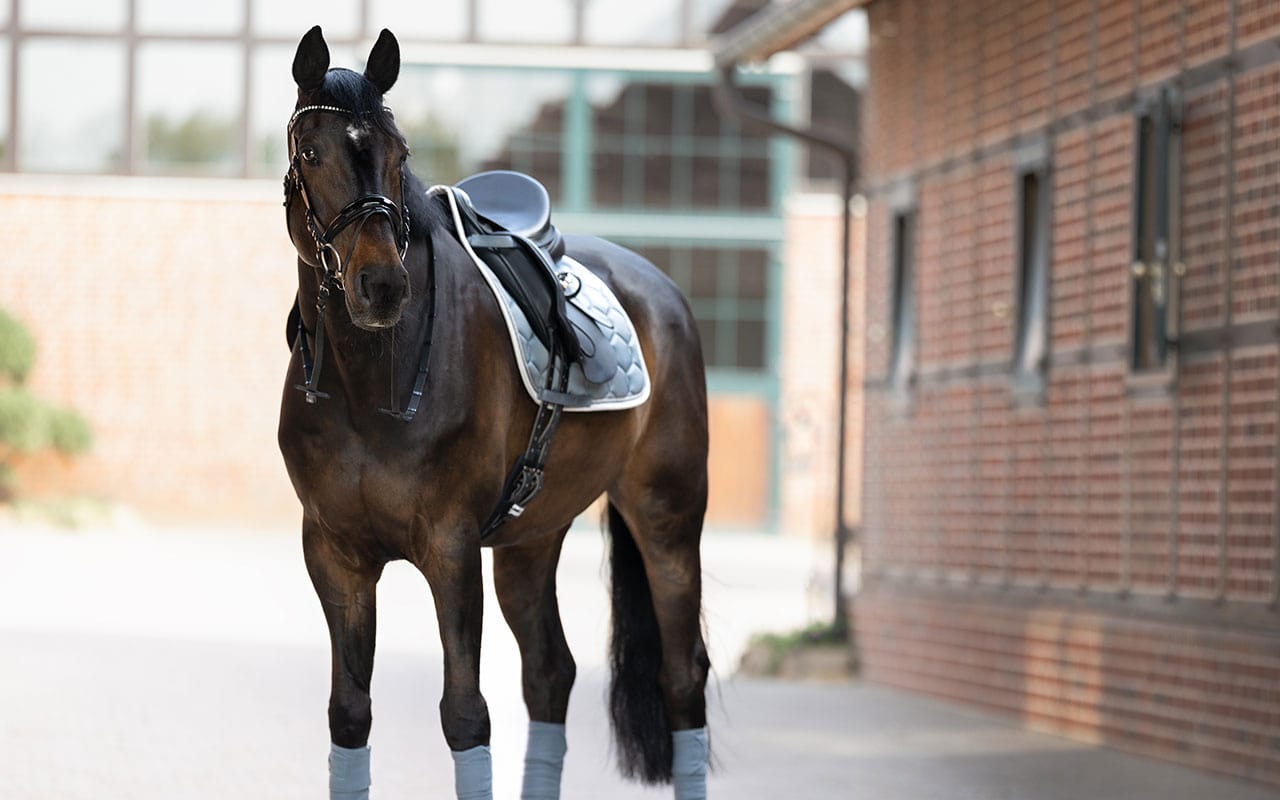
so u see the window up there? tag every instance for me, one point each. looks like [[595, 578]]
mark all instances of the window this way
[[451, 137], [728, 288], [1031, 338], [660, 145], [1155, 234], [189, 125], [68, 122], [902, 355]]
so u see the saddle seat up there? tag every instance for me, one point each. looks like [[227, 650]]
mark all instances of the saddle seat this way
[[516, 203]]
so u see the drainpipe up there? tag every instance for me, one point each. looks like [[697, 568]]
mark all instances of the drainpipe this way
[[729, 100]]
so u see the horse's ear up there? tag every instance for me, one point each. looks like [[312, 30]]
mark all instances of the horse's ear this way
[[384, 62], [311, 61]]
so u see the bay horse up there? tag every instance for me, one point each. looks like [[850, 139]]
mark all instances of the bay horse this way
[[376, 487]]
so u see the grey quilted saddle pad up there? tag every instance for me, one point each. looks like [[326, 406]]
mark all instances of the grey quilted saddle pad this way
[[628, 384]]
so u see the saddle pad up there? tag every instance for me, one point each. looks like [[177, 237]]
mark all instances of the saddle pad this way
[[628, 385]]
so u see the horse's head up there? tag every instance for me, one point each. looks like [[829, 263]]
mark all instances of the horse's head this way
[[347, 169]]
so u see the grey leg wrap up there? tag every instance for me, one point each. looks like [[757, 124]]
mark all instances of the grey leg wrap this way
[[543, 761], [348, 773], [689, 764], [473, 773]]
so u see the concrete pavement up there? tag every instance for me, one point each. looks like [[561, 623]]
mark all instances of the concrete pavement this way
[[147, 663]]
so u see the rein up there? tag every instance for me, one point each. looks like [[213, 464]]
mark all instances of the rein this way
[[358, 212]]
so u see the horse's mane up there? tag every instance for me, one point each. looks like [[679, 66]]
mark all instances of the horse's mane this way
[[347, 89]]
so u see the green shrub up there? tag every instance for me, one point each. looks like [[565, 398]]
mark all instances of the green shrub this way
[[27, 423], [24, 421], [17, 349], [69, 433]]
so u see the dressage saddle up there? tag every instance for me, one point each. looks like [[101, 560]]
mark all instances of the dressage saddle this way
[[508, 224]]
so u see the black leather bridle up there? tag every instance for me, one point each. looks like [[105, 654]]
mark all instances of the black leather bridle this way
[[358, 212]]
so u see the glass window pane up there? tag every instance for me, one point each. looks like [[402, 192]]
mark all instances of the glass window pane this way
[[82, 15], [189, 108], [206, 16], [753, 274], [338, 18], [708, 331], [614, 22], [750, 343], [405, 18], [523, 21], [68, 123], [272, 96], [705, 283], [452, 137]]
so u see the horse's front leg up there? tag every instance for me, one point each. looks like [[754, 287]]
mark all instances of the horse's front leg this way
[[452, 568], [346, 585]]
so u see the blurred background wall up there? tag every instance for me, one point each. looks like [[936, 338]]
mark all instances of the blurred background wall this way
[[143, 143]]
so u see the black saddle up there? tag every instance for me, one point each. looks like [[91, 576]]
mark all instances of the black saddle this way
[[508, 224], [516, 203]]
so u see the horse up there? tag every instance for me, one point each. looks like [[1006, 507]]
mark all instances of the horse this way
[[386, 291]]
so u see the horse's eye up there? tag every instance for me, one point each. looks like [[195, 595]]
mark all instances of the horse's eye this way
[[309, 155]]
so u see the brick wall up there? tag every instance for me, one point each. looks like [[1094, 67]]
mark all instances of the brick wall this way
[[1104, 562], [159, 309]]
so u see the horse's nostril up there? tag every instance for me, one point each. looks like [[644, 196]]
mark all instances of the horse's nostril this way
[[362, 287]]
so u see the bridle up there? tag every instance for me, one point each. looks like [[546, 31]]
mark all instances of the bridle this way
[[358, 212]]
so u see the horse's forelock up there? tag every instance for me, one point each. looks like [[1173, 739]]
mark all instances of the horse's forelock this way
[[352, 91]]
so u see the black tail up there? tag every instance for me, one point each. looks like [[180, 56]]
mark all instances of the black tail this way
[[640, 728]]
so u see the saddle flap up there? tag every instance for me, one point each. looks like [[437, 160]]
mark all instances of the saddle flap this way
[[599, 362]]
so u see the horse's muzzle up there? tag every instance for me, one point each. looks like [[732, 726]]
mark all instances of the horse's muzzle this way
[[377, 296]]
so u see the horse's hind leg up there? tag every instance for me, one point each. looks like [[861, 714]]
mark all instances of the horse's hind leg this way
[[525, 579], [658, 704], [347, 593]]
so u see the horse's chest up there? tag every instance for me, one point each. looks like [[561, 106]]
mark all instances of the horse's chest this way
[[348, 484]]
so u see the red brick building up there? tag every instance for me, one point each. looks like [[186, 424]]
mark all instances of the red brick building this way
[[1071, 401], [1071, 411]]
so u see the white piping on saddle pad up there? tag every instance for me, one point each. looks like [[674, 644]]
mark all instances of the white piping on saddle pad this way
[[577, 382]]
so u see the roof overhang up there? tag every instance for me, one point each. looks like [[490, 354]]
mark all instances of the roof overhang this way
[[779, 27]]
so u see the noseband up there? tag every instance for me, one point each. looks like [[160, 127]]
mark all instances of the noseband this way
[[358, 210]]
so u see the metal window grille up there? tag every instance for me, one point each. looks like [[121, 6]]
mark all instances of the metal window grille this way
[[1156, 265], [902, 358], [1031, 337]]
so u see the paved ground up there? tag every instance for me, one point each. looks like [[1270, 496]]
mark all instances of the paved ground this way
[[187, 665]]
